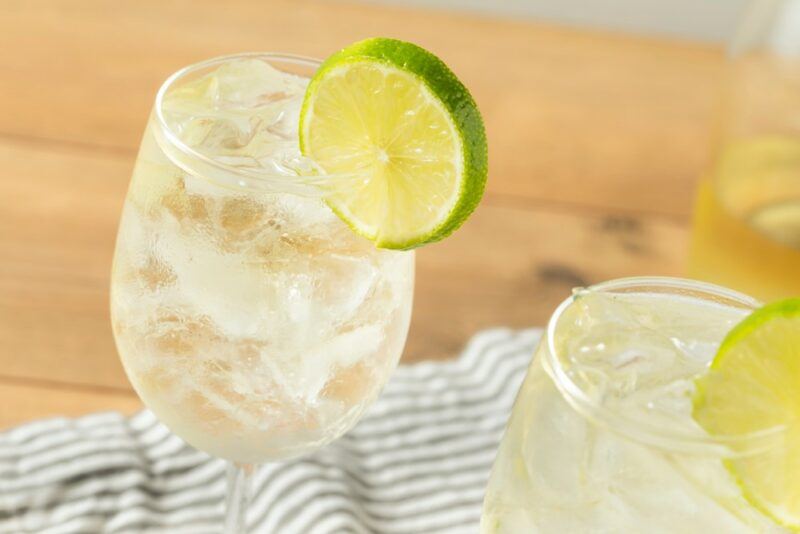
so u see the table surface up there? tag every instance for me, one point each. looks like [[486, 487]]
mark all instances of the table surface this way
[[596, 142]]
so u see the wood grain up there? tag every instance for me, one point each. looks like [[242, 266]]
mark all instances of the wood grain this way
[[39, 401], [572, 116], [511, 267], [506, 266], [595, 143]]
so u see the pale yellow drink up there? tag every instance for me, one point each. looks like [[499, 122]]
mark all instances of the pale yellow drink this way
[[746, 232], [602, 438], [249, 318]]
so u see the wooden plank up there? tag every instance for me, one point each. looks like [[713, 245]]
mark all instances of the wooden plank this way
[[507, 266], [511, 267], [22, 402], [572, 116], [57, 226]]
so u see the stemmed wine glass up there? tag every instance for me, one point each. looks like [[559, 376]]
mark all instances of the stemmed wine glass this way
[[251, 320]]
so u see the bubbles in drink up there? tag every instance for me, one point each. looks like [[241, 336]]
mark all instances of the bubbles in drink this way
[[256, 325], [614, 463]]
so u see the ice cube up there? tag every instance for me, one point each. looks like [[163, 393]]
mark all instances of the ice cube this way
[[350, 385], [191, 98], [287, 419], [255, 402], [209, 413], [217, 134], [247, 356], [221, 389], [348, 347], [299, 301], [185, 206], [343, 284], [219, 282], [177, 335], [164, 381], [244, 107], [284, 125], [155, 274], [240, 218], [253, 82]]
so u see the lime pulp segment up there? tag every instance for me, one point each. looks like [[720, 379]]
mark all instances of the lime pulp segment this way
[[401, 136], [753, 386]]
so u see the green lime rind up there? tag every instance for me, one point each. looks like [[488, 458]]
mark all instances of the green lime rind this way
[[730, 466], [456, 99], [741, 468], [787, 309]]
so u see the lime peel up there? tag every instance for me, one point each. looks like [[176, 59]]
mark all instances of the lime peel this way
[[394, 116], [753, 385]]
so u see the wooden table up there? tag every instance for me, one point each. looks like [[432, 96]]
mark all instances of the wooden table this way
[[595, 144]]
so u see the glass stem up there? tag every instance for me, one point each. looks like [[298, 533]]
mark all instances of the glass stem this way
[[238, 497]]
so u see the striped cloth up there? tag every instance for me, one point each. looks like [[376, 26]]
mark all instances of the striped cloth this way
[[417, 463]]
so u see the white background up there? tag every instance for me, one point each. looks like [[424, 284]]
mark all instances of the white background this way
[[704, 20]]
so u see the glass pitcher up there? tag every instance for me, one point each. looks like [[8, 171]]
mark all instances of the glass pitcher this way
[[746, 232]]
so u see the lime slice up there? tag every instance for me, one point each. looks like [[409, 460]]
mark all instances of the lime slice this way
[[780, 221], [404, 137], [753, 386]]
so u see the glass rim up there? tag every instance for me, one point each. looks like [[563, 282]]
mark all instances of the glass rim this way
[[192, 160], [639, 430]]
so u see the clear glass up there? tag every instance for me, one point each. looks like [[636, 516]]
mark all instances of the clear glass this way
[[248, 317], [601, 437], [746, 232]]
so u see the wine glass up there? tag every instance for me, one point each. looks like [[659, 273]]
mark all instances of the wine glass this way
[[251, 320]]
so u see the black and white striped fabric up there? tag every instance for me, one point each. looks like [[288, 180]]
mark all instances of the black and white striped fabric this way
[[417, 463]]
